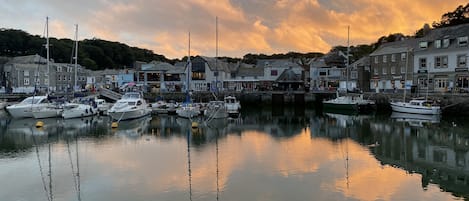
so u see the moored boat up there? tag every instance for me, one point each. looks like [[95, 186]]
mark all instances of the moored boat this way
[[130, 106], [416, 106], [232, 105], [25, 108]]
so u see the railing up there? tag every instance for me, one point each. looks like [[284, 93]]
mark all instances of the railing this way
[[110, 94]]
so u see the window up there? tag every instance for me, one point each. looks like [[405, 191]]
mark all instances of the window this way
[[26, 73], [376, 59], [385, 58], [462, 60], [462, 41], [354, 75], [403, 56], [393, 58], [402, 69], [375, 71], [437, 44], [393, 70], [423, 44], [26, 81], [46, 81], [446, 42], [423, 63], [384, 71], [441, 83], [59, 68], [273, 72], [441, 62]]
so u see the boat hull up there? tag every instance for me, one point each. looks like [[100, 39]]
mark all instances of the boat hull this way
[[407, 108], [23, 111], [47, 113], [128, 115]]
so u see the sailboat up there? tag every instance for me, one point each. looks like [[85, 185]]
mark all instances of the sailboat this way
[[188, 109], [354, 103], [415, 106], [216, 109]]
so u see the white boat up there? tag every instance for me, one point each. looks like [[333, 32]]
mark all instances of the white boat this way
[[130, 106], [102, 106], [50, 111], [216, 110], [25, 108], [188, 110], [232, 105], [78, 110], [163, 107], [416, 106]]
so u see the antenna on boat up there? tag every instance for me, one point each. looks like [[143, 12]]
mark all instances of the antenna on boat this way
[[76, 57]]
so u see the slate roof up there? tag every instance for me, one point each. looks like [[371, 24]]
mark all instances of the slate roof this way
[[29, 59]]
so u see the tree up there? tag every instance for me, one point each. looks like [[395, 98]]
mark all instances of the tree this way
[[459, 16]]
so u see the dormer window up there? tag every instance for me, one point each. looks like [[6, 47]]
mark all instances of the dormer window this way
[[423, 45], [462, 41], [446, 42], [437, 43]]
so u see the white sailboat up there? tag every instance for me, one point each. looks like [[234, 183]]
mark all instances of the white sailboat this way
[[188, 109], [415, 106]]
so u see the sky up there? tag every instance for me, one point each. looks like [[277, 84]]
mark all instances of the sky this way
[[244, 26]]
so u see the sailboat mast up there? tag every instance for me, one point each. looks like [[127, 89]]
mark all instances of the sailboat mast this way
[[216, 53], [348, 52], [189, 70], [405, 78], [47, 54], [76, 57]]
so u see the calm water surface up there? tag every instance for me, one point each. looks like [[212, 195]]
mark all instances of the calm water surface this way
[[281, 154]]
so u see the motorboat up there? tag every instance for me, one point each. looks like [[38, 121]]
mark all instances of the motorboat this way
[[130, 106], [416, 106], [216, 110], [232, 105], [78, 110], [25, 108]]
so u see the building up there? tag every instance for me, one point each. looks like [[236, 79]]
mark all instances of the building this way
[[328, 72], [274, 68], [441, 59], [390, 64], [360, 71]]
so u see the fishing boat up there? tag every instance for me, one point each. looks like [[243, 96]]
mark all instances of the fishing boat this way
[[132, 105], [349, 101]]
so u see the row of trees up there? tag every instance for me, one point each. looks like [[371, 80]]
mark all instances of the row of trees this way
[[98, 54]]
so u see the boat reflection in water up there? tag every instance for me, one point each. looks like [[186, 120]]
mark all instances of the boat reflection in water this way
[[302, 155], [133, 128], [418, 120]]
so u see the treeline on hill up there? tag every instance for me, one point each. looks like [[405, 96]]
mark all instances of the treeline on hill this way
[[93, 53], [99, 54]]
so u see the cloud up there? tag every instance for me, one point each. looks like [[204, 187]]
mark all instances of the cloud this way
[[245, 26]]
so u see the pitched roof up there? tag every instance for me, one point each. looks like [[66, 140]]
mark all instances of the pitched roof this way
[[395, 47], [29, 59]]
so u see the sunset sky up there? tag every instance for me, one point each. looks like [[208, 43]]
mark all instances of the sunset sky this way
[[244, 26]]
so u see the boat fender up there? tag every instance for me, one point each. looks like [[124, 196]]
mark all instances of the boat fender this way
[[86, 111]]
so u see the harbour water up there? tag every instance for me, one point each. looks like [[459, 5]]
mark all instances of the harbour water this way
[[265, 154]]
